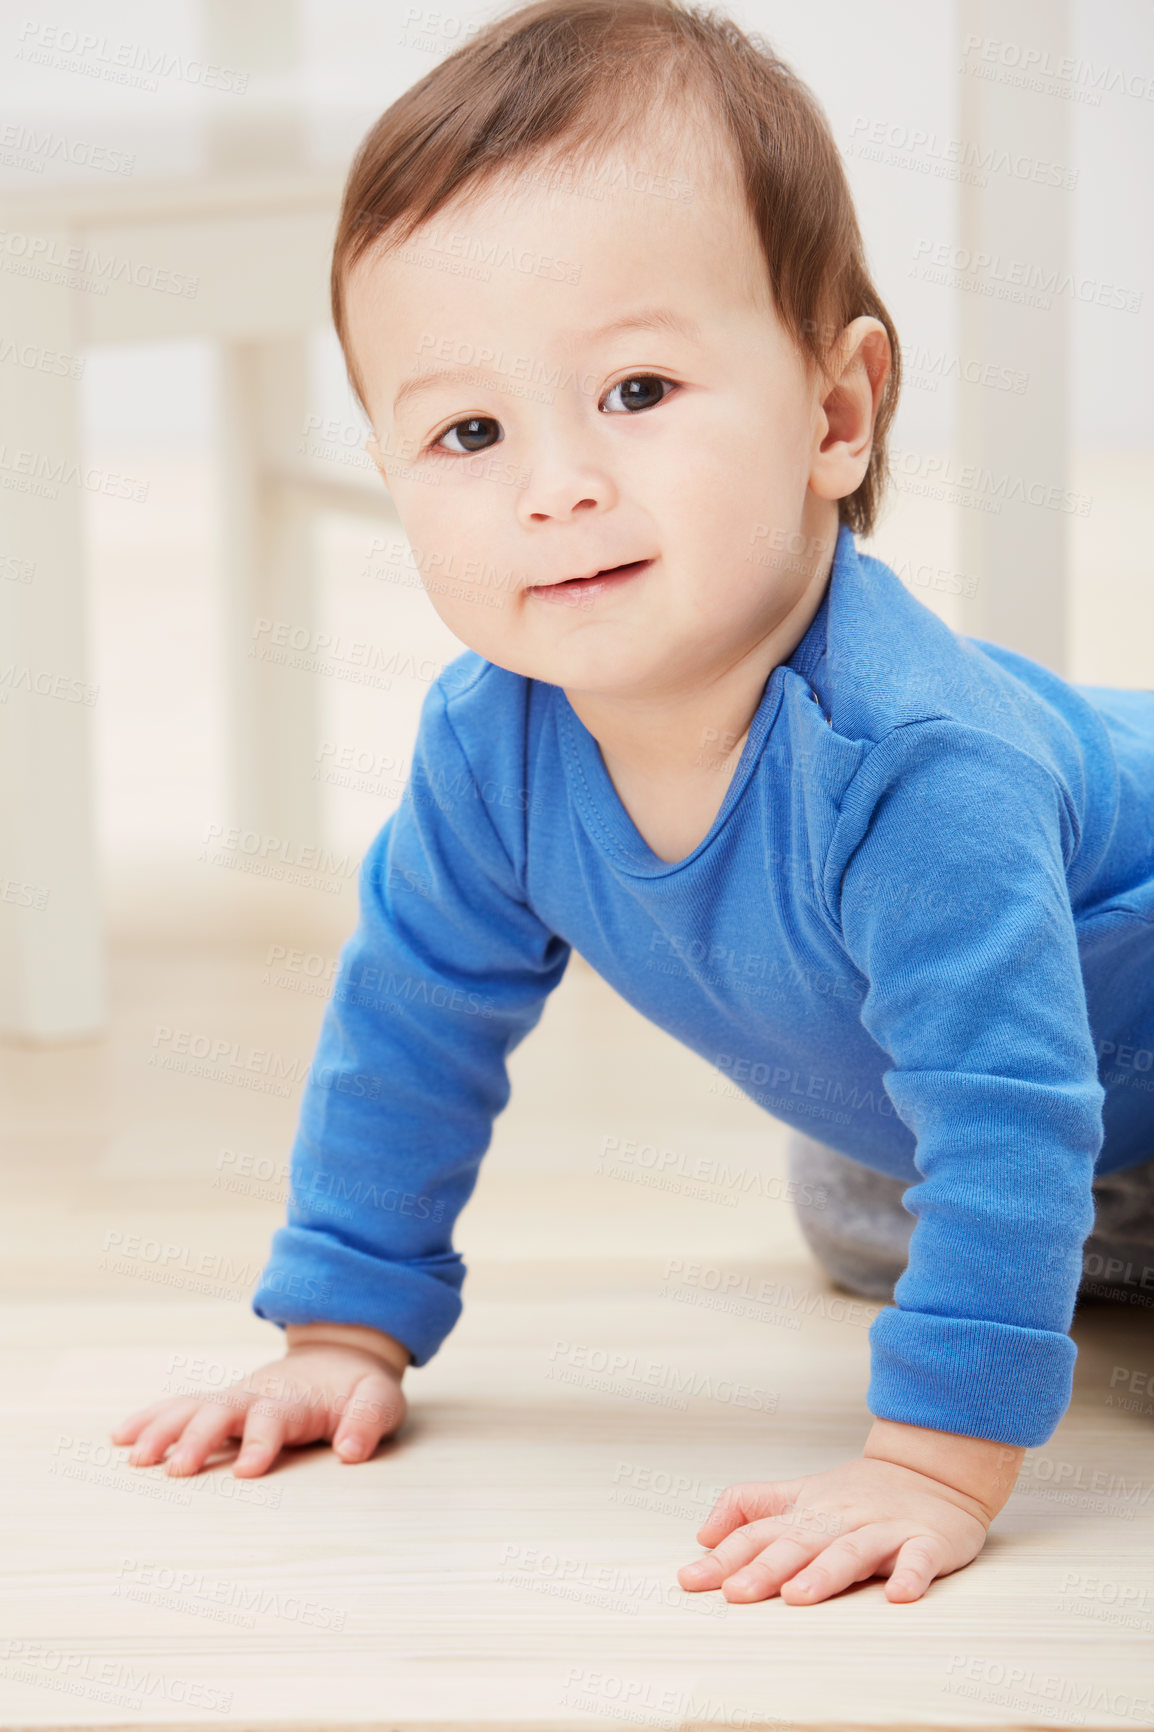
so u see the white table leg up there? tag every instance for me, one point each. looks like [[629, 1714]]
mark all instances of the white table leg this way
[[1015, 443], [267, 571], [51, 965]]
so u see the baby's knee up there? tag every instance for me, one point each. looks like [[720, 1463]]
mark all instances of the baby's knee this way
[[860, 1234]]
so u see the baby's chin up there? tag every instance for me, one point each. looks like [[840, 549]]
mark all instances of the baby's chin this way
[[590, 648], [600, 667]]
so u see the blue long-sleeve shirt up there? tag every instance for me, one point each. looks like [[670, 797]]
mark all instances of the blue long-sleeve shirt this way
[[920, 928]]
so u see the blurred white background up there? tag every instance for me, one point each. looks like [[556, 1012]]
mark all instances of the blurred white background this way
[[152, 410]]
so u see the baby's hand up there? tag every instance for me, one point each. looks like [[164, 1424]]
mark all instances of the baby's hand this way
[[809, 1538], [342, 1385]]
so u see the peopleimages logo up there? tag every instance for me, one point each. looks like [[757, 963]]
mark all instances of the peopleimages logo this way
[[1022, 281], [129, 63], [926, 152], [35, 254], [1027, 66]]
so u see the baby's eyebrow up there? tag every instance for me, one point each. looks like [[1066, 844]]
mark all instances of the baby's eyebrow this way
[[644, 319], [649, 319]]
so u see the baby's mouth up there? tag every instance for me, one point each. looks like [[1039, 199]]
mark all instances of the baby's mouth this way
[[611, 578]]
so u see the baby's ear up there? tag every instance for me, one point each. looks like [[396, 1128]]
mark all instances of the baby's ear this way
[[858, 373], [377, 455], [863, 358]]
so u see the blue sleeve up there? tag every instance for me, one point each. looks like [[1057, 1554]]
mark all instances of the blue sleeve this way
[[446, 973], [949, 866]]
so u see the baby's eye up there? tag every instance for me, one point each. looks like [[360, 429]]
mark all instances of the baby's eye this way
[[645, 398], [473, 428], [471, 435]]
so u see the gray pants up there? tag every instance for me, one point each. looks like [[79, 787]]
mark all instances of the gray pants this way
[[862, 1235]]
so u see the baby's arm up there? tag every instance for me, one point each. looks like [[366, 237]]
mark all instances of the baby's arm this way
[[448, 969], [972, 1466], [955, 906], [947, 878]]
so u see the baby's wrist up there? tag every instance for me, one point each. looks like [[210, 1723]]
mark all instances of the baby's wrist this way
[[977, 1466], [386, 1347]]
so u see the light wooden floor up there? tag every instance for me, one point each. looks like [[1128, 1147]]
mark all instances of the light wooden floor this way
[[510, 1560]]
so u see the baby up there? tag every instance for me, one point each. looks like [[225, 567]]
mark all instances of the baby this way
[[898, 883]]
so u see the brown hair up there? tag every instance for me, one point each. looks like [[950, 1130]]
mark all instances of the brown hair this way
[[549, 77]]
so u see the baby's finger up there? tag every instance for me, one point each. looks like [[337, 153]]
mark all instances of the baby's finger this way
[[156, 1436], [747, 1502], [266, 1431], [208, 1428], [130, 1429], [919, 1561], [736, 1550], [375, 1408], [761, 1576], [853, 1558]]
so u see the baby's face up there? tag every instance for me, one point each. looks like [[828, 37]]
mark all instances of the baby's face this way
[[682, 447]]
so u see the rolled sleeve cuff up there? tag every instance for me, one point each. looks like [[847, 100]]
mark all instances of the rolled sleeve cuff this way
[[968, 1376], [310, 1278]]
